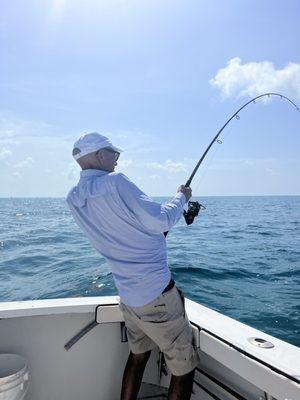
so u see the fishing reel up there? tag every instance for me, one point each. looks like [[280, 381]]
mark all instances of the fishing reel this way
[[193, 210]]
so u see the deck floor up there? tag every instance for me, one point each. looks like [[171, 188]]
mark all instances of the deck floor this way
[[149, 392]]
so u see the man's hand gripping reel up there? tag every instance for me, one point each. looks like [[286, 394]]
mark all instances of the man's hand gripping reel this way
[[193, 210]]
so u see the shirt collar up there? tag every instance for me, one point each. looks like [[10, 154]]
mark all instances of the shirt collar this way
[[86, 173]]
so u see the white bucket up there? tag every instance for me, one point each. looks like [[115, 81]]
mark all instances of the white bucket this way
[[14, 377]]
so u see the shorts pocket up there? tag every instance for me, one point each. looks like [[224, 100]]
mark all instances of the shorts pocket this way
[[156, 311], [181, 296], [175, 303]]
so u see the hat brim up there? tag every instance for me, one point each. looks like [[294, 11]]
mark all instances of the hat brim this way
[[117, 149]]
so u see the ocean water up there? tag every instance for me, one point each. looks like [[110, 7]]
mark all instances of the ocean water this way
[[241, 257]]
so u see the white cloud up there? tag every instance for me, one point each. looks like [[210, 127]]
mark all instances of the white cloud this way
[[268, 165], [5, 153], [7, 136], [72, 171], [26, 163], [168, 165], [270, 171], [254, 78], [13, 129], [125, 163]]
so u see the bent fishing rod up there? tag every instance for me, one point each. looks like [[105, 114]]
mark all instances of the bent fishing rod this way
[[194, 206]]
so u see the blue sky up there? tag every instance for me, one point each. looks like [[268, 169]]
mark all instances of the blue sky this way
[[159, 78]]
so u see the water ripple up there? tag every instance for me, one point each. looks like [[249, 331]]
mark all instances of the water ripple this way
[[241, 257]]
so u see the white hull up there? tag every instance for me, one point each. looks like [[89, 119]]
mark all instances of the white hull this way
[[230, 366]]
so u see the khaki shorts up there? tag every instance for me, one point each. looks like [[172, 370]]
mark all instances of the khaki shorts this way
[[163, 323]]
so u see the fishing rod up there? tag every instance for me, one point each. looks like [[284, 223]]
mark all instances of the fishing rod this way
[[193, 206]]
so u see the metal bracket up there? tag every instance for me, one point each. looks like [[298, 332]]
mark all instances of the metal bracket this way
[[106, 317]]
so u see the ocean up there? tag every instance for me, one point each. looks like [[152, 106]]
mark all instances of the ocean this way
[[241, 257]]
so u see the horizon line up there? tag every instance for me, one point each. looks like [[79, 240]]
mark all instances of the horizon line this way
[[221, 195]]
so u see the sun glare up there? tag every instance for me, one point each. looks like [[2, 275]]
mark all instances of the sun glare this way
[[58, 7]]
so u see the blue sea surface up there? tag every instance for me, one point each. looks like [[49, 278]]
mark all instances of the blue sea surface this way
[[241, 257]]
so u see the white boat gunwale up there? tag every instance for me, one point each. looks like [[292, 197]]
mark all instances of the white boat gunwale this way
[[197, 314], [249, 355], [208, 323]]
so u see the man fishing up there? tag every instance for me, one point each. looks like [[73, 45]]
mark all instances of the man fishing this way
[[127, 227]]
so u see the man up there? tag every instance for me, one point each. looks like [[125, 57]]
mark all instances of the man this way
[[127, 227]]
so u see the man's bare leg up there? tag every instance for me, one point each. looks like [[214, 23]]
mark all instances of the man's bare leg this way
[[181, 386], [133, 375]]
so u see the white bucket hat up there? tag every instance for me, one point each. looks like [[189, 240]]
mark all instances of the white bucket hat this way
[[91, 142]]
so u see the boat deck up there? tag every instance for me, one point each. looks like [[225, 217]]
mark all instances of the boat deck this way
[[149, 392]]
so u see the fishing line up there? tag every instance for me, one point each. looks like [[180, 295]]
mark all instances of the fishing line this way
[[235, 115], [205, 168], [214, 152], [193, 206], [201, 177]]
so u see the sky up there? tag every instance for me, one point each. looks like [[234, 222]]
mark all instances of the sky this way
[[159, 78]]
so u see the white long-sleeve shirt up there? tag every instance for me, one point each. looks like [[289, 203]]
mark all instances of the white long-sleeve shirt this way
[[126, 227]]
